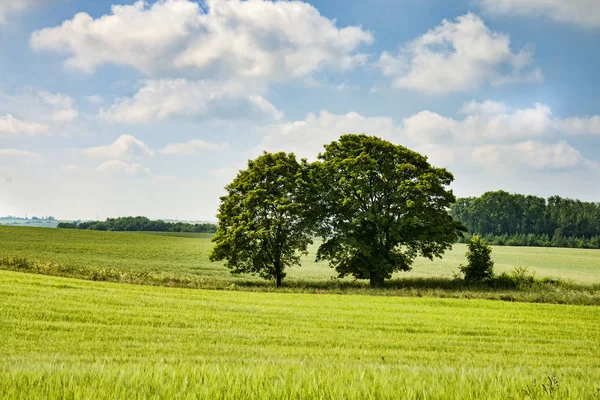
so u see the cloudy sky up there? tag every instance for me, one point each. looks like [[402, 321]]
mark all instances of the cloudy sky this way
[[122, 107]]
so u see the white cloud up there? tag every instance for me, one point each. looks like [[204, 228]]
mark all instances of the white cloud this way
[[18, 153], [10, 125], [116, 166], [494, 121], [492, 134], [123, 147], [533, 154], [42, 106], [306, 137], [253, 39], [458, 56], [192, 147], [580, 125], [63, 106], [580, 12], [489, 121], [163, 99]]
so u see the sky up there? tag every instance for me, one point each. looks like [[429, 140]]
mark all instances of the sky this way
[[116, 107]]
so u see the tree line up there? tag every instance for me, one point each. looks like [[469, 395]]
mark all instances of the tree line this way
[[520, 220], [139, 224]]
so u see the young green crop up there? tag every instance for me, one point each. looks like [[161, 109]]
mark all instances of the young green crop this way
[[65, 338], [189, 255]]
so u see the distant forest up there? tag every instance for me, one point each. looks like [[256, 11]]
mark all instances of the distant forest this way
[[519, 220], [139, 224]]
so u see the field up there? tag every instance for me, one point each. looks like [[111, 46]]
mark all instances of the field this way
[[173, 253], [66, 338]]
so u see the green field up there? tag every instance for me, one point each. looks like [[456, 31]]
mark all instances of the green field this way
[[66, 338], [189, 255]]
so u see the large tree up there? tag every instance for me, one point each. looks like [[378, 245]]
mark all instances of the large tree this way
[[382, 205], [264, 221]]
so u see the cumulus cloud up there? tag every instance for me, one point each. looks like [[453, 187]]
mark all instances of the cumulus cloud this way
[[491, 134], [579, 12], [580, 125], [306, 137], [534, 154], [192, 147], [125, 146], [457, 56], [116, 166], [163, 99], [495, 121], [486, 122], [253, 39], [10, 125]]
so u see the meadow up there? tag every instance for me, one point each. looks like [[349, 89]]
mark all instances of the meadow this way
[[66, 338], [187, 253]]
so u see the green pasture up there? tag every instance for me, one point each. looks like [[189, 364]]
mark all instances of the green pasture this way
[[187, 253], [74, 339]]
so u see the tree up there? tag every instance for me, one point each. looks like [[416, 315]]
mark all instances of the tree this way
[[480, 266], [382, 205], [264, 220]]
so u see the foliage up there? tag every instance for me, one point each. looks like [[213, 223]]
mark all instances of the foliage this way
[[132, 224], [534, 240], [264, 220], [519, 220], [480, 265], [382, 205], [137, 342]]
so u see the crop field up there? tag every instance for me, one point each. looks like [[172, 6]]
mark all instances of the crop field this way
[[67, 338], [187, 253]]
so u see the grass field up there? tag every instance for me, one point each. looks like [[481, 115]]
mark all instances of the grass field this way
[[189, 255], [66, 338]]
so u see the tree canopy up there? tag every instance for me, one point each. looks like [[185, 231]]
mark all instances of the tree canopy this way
[[516, 219], [381, 206], [264, 220]]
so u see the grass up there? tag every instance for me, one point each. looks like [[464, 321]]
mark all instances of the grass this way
[[169, 260], [172, 253], [66, 338]]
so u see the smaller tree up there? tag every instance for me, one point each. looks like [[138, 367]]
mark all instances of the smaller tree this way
[[264, 220], [480, 266]]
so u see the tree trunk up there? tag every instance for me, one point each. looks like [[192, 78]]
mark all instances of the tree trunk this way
[[278, 273], [376, 280]]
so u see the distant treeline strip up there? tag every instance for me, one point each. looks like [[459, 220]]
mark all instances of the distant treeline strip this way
[[139, 224], [519, 220]]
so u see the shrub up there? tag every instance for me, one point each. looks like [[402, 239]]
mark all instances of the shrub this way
[[480, 266], [521, 277]]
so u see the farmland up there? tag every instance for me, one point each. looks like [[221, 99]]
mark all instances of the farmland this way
[[187, 253], [66, 338]]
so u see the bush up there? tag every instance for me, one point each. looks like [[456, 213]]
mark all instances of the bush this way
[[521, 277], [480, 266]]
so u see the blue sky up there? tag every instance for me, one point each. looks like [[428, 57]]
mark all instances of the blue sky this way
[[130, 108]]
